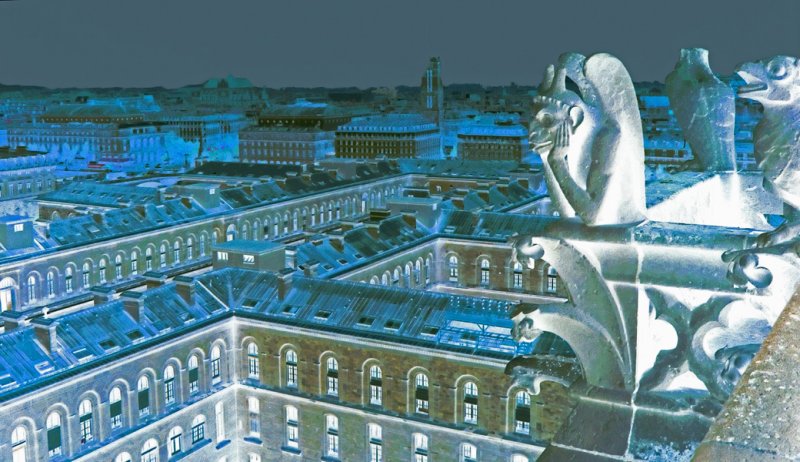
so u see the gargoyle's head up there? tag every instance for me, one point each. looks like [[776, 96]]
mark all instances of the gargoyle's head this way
[[554, 107], [771, 82]]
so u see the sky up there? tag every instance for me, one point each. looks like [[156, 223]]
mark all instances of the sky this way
[[365, 43]]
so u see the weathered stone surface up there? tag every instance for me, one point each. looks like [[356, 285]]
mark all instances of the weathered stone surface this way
[[704, 107]]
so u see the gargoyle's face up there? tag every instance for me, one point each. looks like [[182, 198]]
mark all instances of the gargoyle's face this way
[[548, 115], [771, 82]]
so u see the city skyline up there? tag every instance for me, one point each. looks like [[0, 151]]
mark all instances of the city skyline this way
[[360, 44]]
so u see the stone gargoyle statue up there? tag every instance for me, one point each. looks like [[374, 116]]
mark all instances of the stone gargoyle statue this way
[[705, 109], [590, 139], [775, 83]]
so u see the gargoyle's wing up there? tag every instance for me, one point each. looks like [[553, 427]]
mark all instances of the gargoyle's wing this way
[[614, 89]]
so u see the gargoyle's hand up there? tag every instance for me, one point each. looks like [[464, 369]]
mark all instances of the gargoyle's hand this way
[[560, 142]]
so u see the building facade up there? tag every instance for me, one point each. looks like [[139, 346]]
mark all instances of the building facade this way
[[391, 136]]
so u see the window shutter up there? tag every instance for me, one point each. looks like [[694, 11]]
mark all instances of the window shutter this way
[[116, 408], [53, 438]]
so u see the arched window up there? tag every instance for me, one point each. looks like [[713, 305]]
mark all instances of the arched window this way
[[189, 248], [517, 282], [470, 403], [54, 434], [417, 272], [7, 294], [322, 214], [485, 269], [375, 438], [332, 376], [252, 361], [198, 429], [420, 447], [522, 413], [118, 267], [143, 396], [123, 457], [295, 224], [194, 379], [332, 436], [202, 246], [375, 386], [469, 453], [292, 427], [31, 289], [452, 265], [428, 270], [176, 253], [162, 256], [245, 231], [230, 233], [291, 368], [115, 407], [285, 223], [254, 410], [148, 259], [169, 385], [102, 270], [51, 284], [215, 365], [134, 263], [552, 280], [421, 403], [19, 444], [68, 279], [85, 419], [396, 277], [174, 440], [86, 274], [150, 451]]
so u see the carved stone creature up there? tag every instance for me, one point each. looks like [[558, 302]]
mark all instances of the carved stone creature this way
[[591, 140], [775, 83], [705, 109]]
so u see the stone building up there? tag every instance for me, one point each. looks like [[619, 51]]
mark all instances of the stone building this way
[[392, 136], [283, 145], [265, 366]]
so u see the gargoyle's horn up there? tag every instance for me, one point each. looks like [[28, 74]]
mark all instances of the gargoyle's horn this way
[[559, 81], [547, 80]]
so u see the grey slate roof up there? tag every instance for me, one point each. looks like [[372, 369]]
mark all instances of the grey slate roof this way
[[467, 324]]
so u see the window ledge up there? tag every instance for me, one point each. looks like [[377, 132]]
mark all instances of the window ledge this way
[[253, 440], [290, 450], [222, 444]]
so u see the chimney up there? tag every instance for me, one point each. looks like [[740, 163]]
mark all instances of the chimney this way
[[12, 320], [310, 268], [154, 279], [102, 294], [337, 242], [373, 229], [290, 255], [133, 303], [184, 286], [410, 217], [45, 330], [285, 277]]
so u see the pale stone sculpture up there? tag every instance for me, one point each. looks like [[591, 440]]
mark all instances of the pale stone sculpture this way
[[591, 140], [705, 109], [775, 83]]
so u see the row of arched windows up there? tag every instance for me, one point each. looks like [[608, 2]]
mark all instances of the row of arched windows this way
[[35, 288], [418, 400], [415, 273], [124, 409]]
